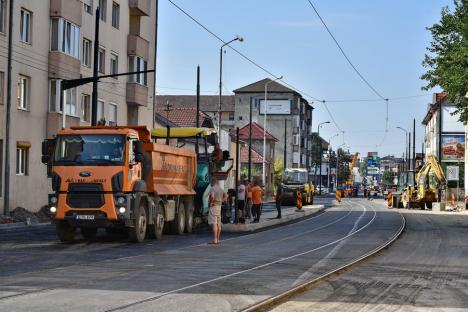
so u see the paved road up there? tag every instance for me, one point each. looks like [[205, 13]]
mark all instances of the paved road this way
[[425, 270], [183, 273]]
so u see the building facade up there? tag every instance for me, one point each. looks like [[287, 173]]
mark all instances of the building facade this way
[[445, 138], [54, 40], [288, 116]]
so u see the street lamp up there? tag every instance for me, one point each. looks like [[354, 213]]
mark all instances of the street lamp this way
[[320, 154], [264, 127], [240, 39], [406, 146], [329, 168]]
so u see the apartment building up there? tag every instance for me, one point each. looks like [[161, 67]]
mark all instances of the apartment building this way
[[288, 116], [54, 40]]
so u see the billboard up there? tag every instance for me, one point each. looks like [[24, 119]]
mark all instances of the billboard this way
[[453, 147], [276, 107]]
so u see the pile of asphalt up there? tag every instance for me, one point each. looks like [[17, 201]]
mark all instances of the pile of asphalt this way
[[20, 214]]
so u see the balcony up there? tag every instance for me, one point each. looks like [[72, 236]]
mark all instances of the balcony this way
[[54, 123], [140, 7], [137, 94], [137, 46], [63, 66], [70, 10]]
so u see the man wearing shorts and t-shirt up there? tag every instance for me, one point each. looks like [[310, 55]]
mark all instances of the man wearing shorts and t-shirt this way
[[216, 197]]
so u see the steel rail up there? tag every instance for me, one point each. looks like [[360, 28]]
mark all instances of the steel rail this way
[[273, 301]]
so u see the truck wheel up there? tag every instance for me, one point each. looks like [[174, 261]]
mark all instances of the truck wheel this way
[[65, 232], [188, 217], [156, 230], [137, 233], [88, 233], [178, 225]]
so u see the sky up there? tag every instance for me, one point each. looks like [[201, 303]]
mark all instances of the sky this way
[[385, 40]]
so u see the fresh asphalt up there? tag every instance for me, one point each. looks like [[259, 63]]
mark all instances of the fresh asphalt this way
[[426, 269], [184, 273]]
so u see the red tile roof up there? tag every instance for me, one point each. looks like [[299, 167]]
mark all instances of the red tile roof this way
[[181, 117], [256, 156], [257, 133]]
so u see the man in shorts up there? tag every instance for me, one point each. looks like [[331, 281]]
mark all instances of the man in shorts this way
[[216, 198]]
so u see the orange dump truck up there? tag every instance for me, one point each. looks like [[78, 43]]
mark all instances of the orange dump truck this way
[[116, 178]]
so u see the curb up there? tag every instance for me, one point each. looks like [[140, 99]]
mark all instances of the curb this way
[[249, 227], [20, 225], [271, 302]]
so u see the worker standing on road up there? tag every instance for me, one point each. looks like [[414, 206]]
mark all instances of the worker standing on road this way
[[248, 204], [257, 194], [216, 198], [278, 198], [241, 202]]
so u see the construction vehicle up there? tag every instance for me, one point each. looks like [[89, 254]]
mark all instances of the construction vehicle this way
[[118, 179], [429, 181], [296, 180], [351, 166]]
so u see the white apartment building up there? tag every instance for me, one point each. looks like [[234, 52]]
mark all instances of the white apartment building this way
[[54, 40]]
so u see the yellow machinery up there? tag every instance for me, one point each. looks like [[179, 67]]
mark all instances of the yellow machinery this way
[[295, 180], [429, 180], [351, 166]]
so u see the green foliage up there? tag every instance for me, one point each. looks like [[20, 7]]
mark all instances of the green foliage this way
[[363, 168], [387, 177], [315, 153], [344, 158], [447, 60], [278, 171]]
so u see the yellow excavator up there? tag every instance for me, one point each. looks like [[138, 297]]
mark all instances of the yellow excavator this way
[[429, 181], [351, 166]]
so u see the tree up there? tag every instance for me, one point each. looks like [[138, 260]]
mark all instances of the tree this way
[[447, 60], [278, 171], [315, 152], [363, 168], [343, 173], [387, 177]]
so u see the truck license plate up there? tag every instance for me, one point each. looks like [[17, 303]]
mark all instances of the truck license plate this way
[[85, 217]]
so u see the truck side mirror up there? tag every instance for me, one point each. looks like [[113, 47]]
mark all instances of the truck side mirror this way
[[45, 147], [45, 159], [139, 151]]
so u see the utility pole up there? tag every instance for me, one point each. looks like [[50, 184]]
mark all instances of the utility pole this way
[[95, 71], [236, 203], [197, 118], [285, 143], [168, 127], [154, 61], [250, 142], [6, 195]]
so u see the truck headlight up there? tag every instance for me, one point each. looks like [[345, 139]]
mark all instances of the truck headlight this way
[[120, 200], [122, 210], [53, 209]]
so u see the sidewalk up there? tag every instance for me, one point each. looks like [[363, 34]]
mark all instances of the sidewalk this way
[[268, 217]]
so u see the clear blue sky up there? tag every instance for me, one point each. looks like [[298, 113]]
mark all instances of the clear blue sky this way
[[386, 40]]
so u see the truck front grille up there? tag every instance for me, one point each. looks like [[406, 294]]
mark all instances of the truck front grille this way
[[88, 195]]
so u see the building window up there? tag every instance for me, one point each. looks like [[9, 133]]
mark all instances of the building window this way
[[65, 37], [22, 160], [23, 92], [54, 98], [231, 115], [114, 64], [102, 61], [25, 26], [115, 15], [88, 6], [102, 9], [86, 57], [135, 64], [100, 110], [2, 87], [112, 114], [2, 15], [86, 107]]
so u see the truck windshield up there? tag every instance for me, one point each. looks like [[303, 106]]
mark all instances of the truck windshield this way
[[89, 149], [295, 177]]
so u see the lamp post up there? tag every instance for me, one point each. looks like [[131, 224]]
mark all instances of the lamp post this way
[[406, 146], [264, 127], [320, 155], [239, 38], [329, 168]]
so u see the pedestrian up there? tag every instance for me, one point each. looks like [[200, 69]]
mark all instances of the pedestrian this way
[[278, 198], [248, 206], [368, 194], [257, 194], [241, 202], [216, 198]]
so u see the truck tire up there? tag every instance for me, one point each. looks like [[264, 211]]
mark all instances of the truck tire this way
[[156, 230], [88, 232], [188, 217], [65, 232], [178, 225], [137, 233]]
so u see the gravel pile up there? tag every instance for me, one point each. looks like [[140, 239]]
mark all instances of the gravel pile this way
[[19, 214]]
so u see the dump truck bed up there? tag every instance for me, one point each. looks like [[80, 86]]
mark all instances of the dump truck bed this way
[[173, 170]]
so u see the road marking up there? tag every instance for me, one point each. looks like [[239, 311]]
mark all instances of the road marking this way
[[243, 271]]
